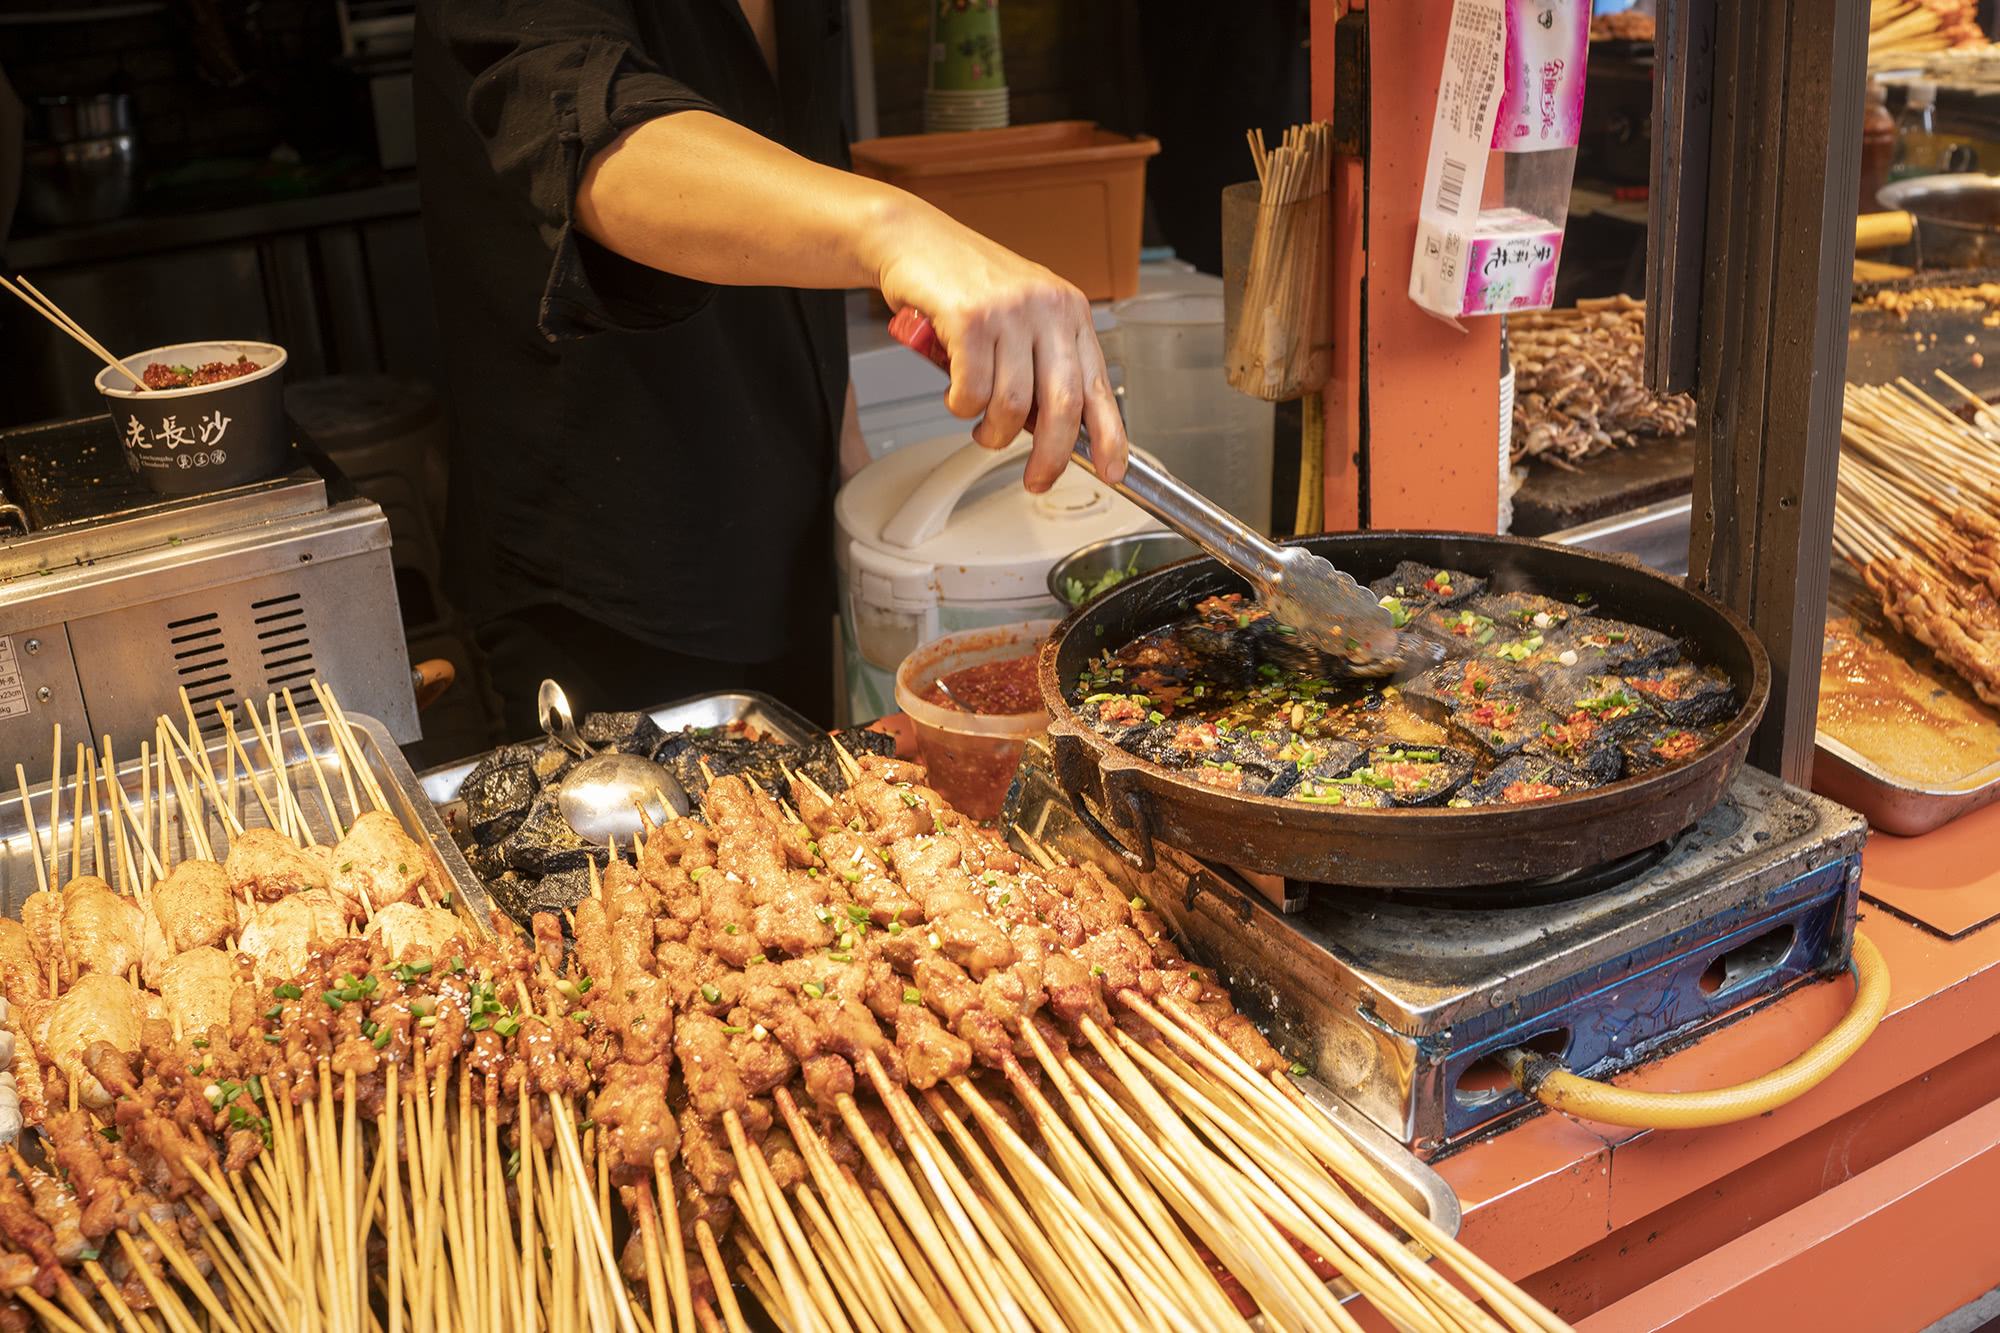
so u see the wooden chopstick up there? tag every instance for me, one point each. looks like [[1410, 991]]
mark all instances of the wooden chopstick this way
[[54, 314]]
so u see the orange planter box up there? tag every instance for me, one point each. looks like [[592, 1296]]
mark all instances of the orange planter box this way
[[1065, 193]]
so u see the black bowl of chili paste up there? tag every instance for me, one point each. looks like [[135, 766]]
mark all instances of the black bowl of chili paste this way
[[217, 420]]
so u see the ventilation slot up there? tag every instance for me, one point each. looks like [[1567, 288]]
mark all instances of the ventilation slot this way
[[201, 658], [284, 646]]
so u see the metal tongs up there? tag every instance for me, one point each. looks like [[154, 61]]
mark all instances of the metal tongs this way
[[1324, 608]]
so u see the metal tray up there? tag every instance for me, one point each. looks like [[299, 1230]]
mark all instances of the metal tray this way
[[723, 708], [1658, 535], [392, 772]]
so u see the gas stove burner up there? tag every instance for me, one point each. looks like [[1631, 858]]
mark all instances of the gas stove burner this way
[[1526, 893], [1403, 1001]]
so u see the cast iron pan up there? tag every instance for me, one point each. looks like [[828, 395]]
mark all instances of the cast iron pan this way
[[1423, 848]]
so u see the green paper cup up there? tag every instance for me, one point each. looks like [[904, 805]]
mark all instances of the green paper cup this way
[[965, 46]]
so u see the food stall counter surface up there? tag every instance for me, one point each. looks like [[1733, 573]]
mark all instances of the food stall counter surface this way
[[1863, 1205]]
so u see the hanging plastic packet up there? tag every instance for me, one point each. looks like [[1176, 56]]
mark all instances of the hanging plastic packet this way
[[1489, 237]]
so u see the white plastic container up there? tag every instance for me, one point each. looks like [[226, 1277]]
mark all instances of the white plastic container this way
[[939, 536], [1178, 404]]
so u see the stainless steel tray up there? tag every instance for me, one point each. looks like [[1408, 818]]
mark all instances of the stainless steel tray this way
[[722, 709], [1658, 535], [1891, 804], [392, 772]]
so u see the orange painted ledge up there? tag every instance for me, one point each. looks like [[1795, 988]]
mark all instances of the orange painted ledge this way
[[1896, 1247], [1538, 1196]]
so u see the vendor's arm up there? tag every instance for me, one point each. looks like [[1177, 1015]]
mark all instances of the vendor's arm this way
[[698, 195]]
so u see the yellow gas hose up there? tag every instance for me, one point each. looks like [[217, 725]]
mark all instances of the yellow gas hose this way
[[1549, 1083]]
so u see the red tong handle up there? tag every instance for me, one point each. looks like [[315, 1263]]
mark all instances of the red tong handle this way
[[912, 328]]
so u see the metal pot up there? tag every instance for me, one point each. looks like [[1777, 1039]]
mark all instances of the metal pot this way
[[86, 168], [1953, 220], [1138, 553], [1415, 848]]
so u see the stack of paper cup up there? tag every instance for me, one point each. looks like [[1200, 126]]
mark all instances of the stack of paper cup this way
[[945, 111], [968, 81]]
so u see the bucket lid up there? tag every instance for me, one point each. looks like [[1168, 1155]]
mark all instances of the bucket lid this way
[[946, 520]]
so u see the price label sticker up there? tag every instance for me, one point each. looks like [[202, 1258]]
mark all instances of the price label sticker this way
[[13, 690]]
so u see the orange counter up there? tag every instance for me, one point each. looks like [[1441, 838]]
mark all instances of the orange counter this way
[[1865, 1205]]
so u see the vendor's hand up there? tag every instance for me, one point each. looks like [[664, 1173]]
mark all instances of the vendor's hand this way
[[1018, 336]]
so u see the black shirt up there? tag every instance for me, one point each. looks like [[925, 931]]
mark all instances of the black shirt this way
[[655, 453]]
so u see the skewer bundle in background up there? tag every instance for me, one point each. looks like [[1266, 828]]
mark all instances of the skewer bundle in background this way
[[1901, 29], [1918, 514], [1281, 346]]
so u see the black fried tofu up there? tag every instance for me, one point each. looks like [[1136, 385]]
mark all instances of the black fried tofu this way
[[1461, 631], [1579, 742], [1685, 694], [1177, 744], [1248, 776], [551, 761], [1658, 745], [1413, 774], [520, 896], [1416, 583], [1520, 613], [503, 757], [1123, 719], [1323, 756], [544, 842], [1614, 709], [1524, 779], [1468, 680], [1534, 651], [1498, 725], [497, 797], [627, 733], [1614, 647], [1340, 791]]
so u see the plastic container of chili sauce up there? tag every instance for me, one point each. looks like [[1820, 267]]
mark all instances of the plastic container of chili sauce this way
[[971, 731]]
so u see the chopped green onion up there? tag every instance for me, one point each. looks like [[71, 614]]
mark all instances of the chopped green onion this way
[[730, 929], [369, 1027], [275, 1011], [912, 996], [895, 927], [110, 1132], [480, 1022], [381, 1038], [1299, 1070], [698, 872], [1137, 904], [856, 912], [814, 989], [583, 987], [753, 959], [734, 1029], [273, 1038], [909, 799], [200, 1043], [288, 991], [822, 913], [1096, 971], [333, 999], [710, 993], [508, 1026]]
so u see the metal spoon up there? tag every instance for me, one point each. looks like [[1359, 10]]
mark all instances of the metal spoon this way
[[601, 797]]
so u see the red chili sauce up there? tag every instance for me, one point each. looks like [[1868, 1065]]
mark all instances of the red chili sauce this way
[[1003, 687]]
